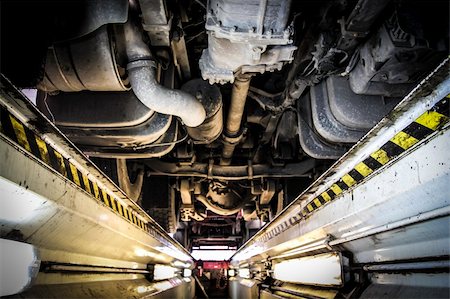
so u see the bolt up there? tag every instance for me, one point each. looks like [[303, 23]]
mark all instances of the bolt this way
[[257, 53], [257, 49]]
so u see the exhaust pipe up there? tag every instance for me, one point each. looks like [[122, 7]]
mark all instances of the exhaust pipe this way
[[233, 132], [142, 75]]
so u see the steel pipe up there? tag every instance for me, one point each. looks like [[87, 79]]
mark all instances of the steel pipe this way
[[142, 75], [238, 99], [204, 170], [234, 119], [411, 266]]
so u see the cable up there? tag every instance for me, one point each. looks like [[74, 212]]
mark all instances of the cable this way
[[194, 37], [200, 3], [48, 109], [194, 24], [162, 144]]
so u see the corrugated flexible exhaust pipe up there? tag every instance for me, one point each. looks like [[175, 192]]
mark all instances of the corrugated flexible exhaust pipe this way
[[142, 75]]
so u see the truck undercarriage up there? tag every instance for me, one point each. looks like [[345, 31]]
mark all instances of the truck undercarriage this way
[[214, 116]]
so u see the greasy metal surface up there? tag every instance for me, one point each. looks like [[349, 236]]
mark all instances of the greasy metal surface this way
[[356, 111], [211, 99], [127, 143], [94, 109], [87, 16], [181, 58], [251, 37], [69, 65], [230, 172], [156, 22], [434, 88], [212, 206], [238, 100], [250, 20], [122, 137], [234, 118], [339, 115], [142, 75], [90, 119], [393, 59], [162, 99], [311, 143], [74, 198]]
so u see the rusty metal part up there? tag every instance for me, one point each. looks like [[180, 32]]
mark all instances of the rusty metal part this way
[[185, 192], [211, 99], [234, 119], [246, 37], [141, 70], [180, 56], [187, 209], [220, 172], [238, 99], [188, 212], [224, 196], [156, 22], [267, 192], [161, 99], [133, 190], [216, 209], [69, 65]]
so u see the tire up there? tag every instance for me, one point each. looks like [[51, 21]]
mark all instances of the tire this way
[[159, 201], [108, 167]]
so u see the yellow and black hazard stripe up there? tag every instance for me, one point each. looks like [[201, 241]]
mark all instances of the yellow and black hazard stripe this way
[[429, 122], [426, 124], [14, 129]]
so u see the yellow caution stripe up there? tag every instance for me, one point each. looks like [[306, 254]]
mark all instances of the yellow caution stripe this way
[[426, 124], [27, 139]]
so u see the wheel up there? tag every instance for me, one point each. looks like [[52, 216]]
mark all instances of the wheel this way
[[160, 202]]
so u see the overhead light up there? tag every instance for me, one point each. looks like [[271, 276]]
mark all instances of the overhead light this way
[[187, 272], [323, 269], [244, 273], [214, 247], [212, 255], [162, 272]]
